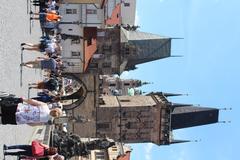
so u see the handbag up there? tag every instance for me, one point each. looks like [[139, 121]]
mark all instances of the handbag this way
[[37, 148]]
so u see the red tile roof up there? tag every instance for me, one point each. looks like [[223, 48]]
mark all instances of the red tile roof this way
[[90, 44], [125, 157], [89, 51], [115, 17]]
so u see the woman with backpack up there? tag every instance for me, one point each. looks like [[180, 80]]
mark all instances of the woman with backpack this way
[[51, 84]]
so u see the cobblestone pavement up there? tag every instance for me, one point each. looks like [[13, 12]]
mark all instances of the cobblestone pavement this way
[[14, 29]]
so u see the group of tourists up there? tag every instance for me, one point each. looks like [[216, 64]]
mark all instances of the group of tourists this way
[[41, 109], [49, 46]]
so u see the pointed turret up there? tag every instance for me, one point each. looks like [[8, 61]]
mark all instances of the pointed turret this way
[[174, 141], [140, 47], [172, 94], [145, 83], [190, 116]]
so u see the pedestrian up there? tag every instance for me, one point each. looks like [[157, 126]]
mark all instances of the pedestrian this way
[[35, 150], [49, 46], [26, 111], [47, 97], [44, 63], [51, 84], [50, 16]]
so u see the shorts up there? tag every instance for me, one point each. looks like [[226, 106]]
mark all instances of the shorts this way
[[37, 64]]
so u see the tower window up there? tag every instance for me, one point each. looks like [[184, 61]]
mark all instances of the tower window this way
[[107, 47], [124, 100], [132, 125], [103, 126], [126, 4], [127, 50], [112, 84], [107, 65]]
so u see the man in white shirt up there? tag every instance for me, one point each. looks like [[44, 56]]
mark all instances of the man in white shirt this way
[[29, 112]]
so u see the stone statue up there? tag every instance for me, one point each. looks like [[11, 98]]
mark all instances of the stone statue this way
[[70, 145]]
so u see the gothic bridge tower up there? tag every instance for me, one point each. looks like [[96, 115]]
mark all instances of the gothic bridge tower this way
[[148, 118]]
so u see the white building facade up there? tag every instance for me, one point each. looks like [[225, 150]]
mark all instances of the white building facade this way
[[76, 17]]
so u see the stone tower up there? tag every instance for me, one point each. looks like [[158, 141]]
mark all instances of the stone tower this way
[[149, 118], [119, 49], [114, 85], [133, 119]]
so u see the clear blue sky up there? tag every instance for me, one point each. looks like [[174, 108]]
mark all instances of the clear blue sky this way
[[209, 72]]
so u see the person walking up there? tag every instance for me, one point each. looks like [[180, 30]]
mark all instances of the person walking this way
[[50, 16], [51, 84], [35, 150], [44, 63]]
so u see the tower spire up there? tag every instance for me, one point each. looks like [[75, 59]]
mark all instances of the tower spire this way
[[224, 121], [144, 83], [226, 109], [174, 141], [190, 116], [172, 94]]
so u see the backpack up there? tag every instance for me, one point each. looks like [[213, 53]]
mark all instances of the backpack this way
[[52, 84]]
